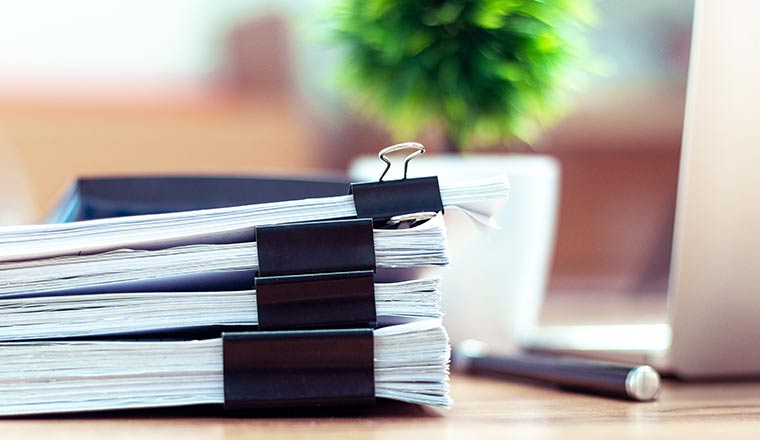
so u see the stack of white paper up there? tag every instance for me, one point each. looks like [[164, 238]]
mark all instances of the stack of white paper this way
[[222, 225], [67, 316], [421, 245], [411, 364], [105, 277]]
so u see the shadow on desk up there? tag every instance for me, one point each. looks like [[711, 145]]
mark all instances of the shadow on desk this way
[[384, 408]]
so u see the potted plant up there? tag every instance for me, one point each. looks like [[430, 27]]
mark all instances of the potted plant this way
[[485, 73]]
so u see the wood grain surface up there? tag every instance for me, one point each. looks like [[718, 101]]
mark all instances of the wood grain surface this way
[[484, 408]]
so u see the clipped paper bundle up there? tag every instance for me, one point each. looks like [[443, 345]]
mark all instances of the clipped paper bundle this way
[[68, 316], [299, 317], [407, 362]]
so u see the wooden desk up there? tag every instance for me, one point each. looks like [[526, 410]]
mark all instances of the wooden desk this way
[[484, 409]]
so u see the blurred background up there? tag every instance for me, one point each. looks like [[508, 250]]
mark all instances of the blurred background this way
[[99, 88]]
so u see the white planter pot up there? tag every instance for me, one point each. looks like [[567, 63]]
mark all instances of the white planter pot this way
[[494, 287]]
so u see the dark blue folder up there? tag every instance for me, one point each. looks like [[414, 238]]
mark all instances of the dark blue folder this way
[[96, 198]]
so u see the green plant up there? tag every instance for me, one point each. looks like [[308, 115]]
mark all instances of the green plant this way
[[483, 70]]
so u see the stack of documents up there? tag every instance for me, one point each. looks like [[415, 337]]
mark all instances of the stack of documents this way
[[89, 311]]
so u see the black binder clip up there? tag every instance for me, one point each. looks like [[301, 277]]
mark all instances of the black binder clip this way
[[316, 247], [298, 369], [384, 200], [339, 299], [316, 275]]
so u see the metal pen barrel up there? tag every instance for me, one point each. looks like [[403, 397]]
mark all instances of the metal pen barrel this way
[[639, 382]]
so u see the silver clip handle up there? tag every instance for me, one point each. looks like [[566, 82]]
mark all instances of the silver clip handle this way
[[383, 155]]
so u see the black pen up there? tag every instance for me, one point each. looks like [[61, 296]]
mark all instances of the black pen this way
[[638, 382]]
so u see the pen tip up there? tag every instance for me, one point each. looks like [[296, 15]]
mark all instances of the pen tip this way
[[643, 383]]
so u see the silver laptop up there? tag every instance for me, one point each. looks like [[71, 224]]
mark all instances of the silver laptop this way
[[713, 323]]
